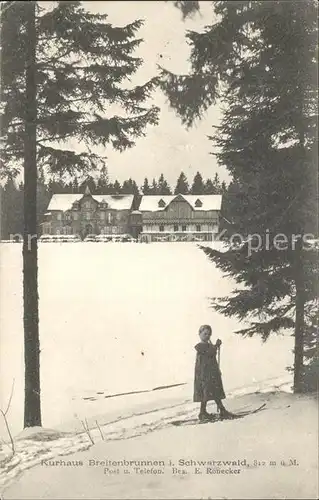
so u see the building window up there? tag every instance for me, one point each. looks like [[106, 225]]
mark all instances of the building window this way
[[102, 215], [175, 227], [75, 216], [87, 215], [198, 203], [161, 203], [161, 228], [198, 228], [59, 216], [184, 227], [68, 216]]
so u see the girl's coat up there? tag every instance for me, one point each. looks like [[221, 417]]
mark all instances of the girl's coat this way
[[208, 381]]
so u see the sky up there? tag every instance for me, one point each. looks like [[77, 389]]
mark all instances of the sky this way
[[168, 148]]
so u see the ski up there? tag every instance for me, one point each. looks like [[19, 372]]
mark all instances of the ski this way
[[217, 418]]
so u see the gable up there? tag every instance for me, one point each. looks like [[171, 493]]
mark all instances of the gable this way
[[161, 203], [179, 208], [88, 203]]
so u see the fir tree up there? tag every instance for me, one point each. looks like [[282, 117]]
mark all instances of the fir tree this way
[[90, 183], [154, 187], [75, 50], [181, 185], [126, 187], [75, 185], [61, 70], [146, 188], [12, 211], [217, 184], [129, 187], [116, 187], [135, 189], [162, 186], [209, 187], [198, 185], [103, 181], [259, 59]]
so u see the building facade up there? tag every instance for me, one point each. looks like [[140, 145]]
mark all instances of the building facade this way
[[87, 214], [179, 217], [149, 218]]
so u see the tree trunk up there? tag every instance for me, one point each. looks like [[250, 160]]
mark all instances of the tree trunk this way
[[300, 314], [32, 407], [299, 272]]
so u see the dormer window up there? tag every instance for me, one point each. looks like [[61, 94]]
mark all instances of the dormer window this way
[[104, 205], [198, 203], [161, 203]]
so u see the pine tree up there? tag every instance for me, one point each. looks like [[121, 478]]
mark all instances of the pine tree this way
[[103, 181], [61, 69], [259, 59], [12, 211], [90, 183], [126, 187], [75, 50], [209, 187], [116, 187], [154, 187], [75, 185], [217, 184], [198, 185], [162, 186], [146, 188], [135, 189], [181, 185], [129, 187]]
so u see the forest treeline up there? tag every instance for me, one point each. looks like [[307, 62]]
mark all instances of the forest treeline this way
[[11, 194]]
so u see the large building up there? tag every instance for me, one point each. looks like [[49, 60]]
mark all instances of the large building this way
[[84, 214], [149, 218], [179, 217]]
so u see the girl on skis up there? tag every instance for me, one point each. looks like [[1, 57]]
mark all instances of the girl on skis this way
[[208, 384]]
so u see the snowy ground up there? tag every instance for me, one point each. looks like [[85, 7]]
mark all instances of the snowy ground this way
[[264, 449], [117, 318]]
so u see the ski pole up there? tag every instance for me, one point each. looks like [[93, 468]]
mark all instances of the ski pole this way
[[218, 362]]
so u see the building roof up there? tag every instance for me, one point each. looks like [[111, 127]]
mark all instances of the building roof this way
[[64, 202], [150, 203]]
